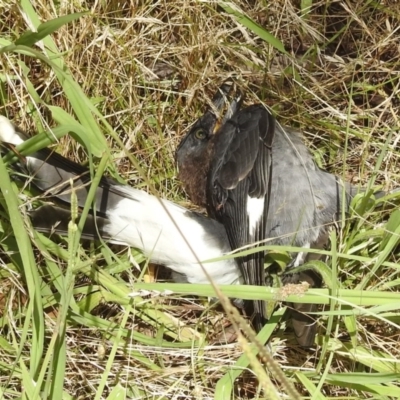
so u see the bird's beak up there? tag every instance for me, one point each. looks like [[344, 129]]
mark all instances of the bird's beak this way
[[217, 126], [220, 99]]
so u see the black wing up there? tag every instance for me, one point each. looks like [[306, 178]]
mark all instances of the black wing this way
[[239, 173]]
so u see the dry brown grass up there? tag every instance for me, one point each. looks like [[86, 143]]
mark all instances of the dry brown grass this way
[[150, 67]]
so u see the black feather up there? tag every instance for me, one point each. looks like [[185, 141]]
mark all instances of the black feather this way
[[241, 168]]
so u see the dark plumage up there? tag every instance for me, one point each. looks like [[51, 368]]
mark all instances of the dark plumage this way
[[303, 202], [228, 171], [261, 182]]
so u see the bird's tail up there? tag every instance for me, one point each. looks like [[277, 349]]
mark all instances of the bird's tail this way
[[54, 219], [166, 232], [304, 324], [253, 272], [254, 308]]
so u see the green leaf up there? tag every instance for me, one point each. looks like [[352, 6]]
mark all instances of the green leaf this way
[[81, 104], [389, 242], [309, 385], [225, 386], [390, 237], [29, 38], [373, 359], [78, 131], [6, 346], [305, 8], [34, 322], [117, 393], [247, 22]]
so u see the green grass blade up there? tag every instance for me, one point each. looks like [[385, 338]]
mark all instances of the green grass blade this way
[[29, 38], [225, 385], [250, 24], [29, 273]]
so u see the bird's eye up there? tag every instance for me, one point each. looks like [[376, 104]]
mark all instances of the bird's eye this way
[[200, 134]]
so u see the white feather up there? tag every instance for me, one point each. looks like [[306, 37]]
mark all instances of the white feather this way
[[8, 133], [158, 228], [302, 256], [255, 210]]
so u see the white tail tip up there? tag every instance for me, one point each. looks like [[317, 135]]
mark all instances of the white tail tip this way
[[8, 133]]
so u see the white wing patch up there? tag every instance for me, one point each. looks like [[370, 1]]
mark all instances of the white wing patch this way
[[255, 211]]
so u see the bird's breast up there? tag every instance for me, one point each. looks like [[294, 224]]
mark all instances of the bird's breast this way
[[193, 174]]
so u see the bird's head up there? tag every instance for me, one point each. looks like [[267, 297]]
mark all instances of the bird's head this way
[[195, 144], [195, 151]]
